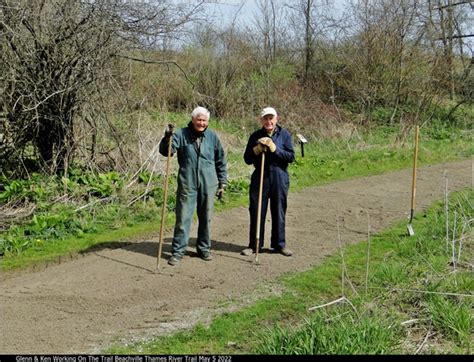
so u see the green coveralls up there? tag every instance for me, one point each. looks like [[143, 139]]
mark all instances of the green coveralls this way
[[202, 167]]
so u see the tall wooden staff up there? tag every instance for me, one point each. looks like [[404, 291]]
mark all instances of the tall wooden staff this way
[[165, 196]]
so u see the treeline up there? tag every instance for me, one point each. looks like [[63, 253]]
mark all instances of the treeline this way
[[78, 76]]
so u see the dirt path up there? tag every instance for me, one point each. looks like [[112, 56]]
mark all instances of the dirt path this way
[[82, 305]]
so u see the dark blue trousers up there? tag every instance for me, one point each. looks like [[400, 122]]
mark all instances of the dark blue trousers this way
[[275, 189]]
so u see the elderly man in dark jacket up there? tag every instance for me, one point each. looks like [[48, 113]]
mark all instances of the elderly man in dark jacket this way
[[202, 174], [277, 143]]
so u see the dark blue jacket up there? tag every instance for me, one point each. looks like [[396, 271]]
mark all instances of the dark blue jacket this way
[[277, 160]]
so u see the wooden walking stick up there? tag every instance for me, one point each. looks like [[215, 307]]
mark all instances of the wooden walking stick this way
[[259, 208], [410, 230], [165, 195]]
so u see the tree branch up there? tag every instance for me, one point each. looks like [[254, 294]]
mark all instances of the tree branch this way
[[456, 37], [158, 62], [450, 5]]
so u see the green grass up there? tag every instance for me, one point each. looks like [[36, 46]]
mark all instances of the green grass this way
[[410, 278], [341, 334], [452, 317], [67, 247]]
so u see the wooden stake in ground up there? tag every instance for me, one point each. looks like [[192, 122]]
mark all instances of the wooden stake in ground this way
[[165, 196], [410, 230]]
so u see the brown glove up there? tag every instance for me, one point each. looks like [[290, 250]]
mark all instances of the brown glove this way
[[267, 141], [258, 149]]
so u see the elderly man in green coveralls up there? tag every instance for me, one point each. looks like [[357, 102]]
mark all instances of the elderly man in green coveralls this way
[[202, 175]]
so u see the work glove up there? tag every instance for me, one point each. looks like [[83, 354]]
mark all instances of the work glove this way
[[258, 149], [220, 191], [168, 135], [267, 141], [169, 131]]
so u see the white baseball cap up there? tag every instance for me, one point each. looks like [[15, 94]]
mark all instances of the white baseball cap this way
[[268, 110]]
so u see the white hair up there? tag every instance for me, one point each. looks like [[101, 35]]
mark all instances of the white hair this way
[[200, 111]]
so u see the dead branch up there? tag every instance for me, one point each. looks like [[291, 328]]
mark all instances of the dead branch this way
[[410, 321], [453, 245], [451, 5], [342, 257], [428, 335], [339, 300], [94, 202], [345, 274], [368, 254], [159, 62], [446, 208], [426, 292], [327, 304], [135, 175]]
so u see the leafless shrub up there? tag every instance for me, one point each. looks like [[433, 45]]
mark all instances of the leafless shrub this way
[[61, 61]]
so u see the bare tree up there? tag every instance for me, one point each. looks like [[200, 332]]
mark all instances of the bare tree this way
[[449, 23], [308, 38], [219, 63], [57, 58], [310, 21], [268, 31], [265, 21]]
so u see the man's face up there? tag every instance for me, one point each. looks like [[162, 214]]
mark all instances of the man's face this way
[[200, 123], [269, 122]]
